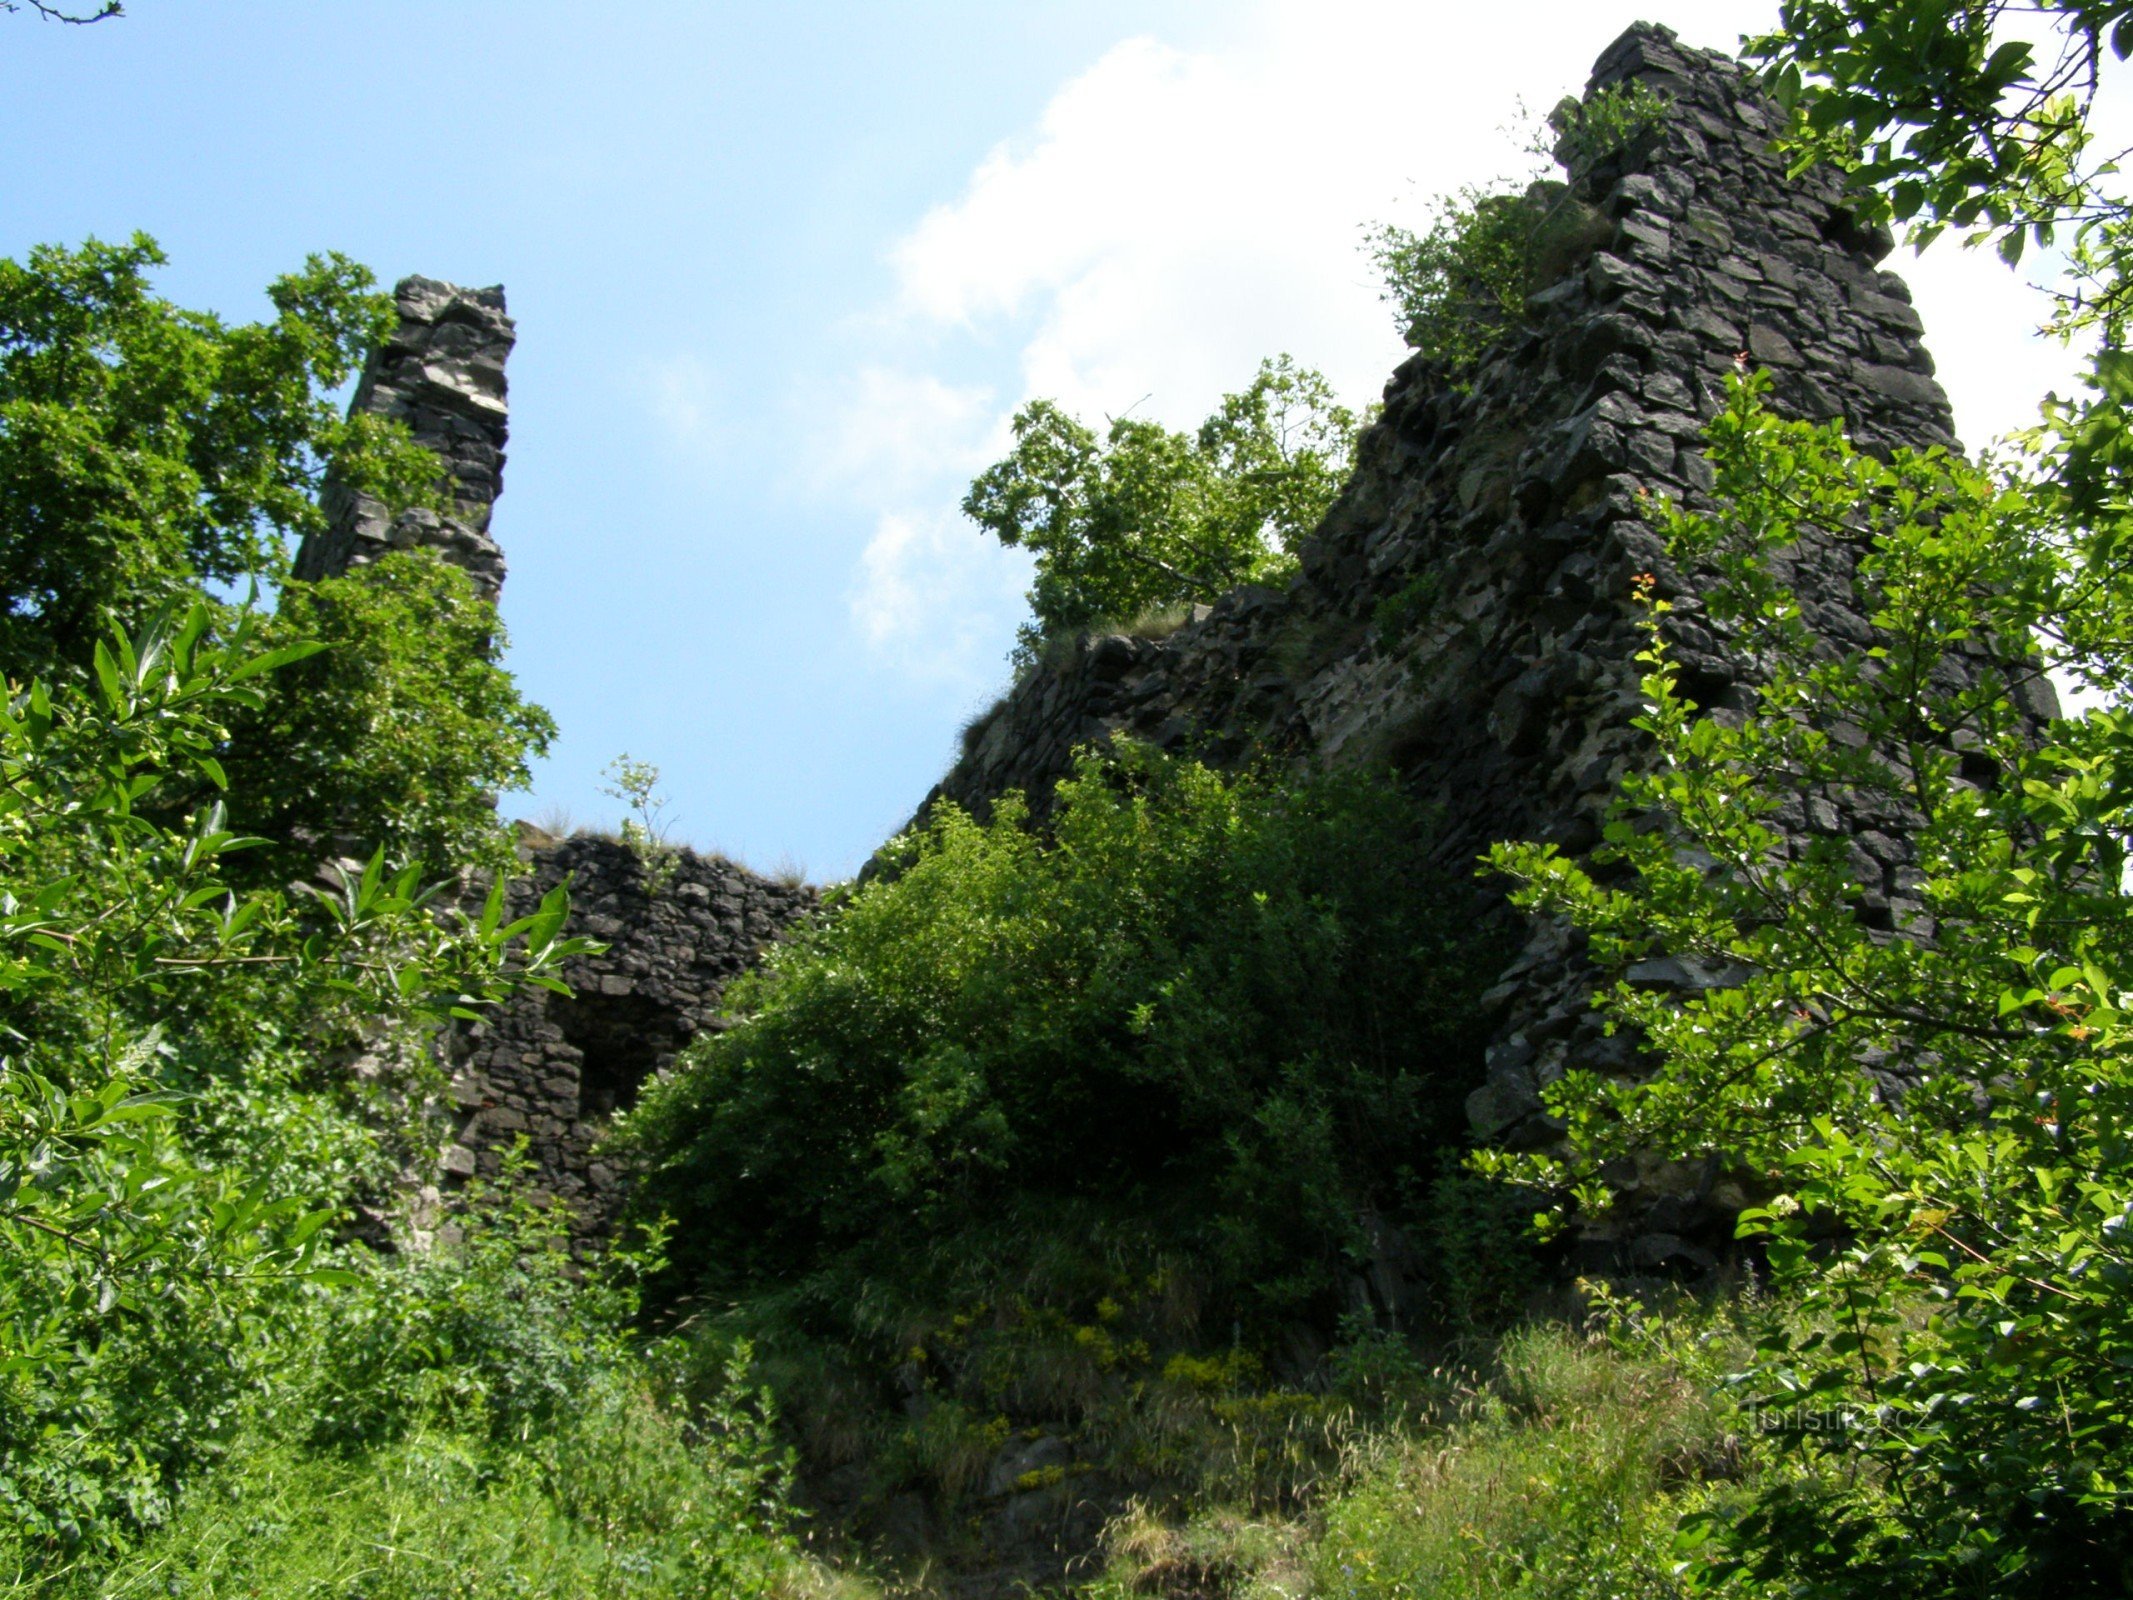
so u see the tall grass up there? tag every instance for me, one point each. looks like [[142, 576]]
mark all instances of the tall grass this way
[[619, 1505], [1559, 1472]]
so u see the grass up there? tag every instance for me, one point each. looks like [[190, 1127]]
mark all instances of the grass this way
[[1556, 1466], [620, 1506], [1157, 622], [1561, 1472]]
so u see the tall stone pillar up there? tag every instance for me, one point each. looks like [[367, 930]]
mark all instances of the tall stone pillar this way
[[442, 374]]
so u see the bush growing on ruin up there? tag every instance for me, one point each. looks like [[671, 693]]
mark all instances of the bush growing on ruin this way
[[1233, 1014], [1141, 517], [1460, 284]]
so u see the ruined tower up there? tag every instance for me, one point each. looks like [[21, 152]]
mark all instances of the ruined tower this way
[[442, 374], [546, 1069], [1465, 614]]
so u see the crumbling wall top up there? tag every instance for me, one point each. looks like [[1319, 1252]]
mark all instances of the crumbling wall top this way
[[442, 374]]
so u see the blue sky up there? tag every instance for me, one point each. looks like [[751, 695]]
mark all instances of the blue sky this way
[[781, 273]]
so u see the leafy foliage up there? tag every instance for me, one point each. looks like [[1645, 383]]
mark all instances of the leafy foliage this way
[[1944, 116], [1604, 124], [408, 666], [1235, 1005], [468, 1420], [192, 1343], [145, 1277], [1457, 287], [1143, 517], [151, 456], [1933, 1093], [146, 450]]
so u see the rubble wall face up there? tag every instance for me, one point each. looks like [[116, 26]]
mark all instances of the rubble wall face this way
[[553, 1069], [1464, 614], [441, 373]]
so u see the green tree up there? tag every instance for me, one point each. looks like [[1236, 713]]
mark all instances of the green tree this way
[[147, 450], [151, 455], [400, 732], [138, 991], [1938, 1114], [1966, 114], [1934, 1096], [1144, 518]]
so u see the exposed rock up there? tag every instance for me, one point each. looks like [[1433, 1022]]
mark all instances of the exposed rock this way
[[441, 373]]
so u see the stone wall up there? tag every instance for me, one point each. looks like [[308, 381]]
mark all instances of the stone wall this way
[[442, 373], [554, 1069], [1464, 616]]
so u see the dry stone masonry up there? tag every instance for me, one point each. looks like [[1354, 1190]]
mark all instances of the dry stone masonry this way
[[441, 373], [1464, 613], [552, 1070]]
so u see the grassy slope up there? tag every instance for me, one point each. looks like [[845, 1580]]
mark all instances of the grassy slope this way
[[1560, 1472]]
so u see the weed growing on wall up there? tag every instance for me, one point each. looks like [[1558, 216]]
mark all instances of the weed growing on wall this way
[[1458, 286]]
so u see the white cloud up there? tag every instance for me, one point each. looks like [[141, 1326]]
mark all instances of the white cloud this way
[[894, 432], [934, 597], [1175, 216], [1172, 217]]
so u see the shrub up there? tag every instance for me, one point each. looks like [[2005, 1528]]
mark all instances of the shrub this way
[[169, 1166], [1145, 519], [1457, 287], [1231, 1004], [1095, 1131]]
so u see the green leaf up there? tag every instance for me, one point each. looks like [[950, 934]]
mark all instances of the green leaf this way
[[107, 675], [2112, 371], [274, 660]]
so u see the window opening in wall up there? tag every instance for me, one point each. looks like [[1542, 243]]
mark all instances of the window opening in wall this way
[[622, 1039]]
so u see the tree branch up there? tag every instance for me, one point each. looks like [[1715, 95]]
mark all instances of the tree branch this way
[[50, 13]]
